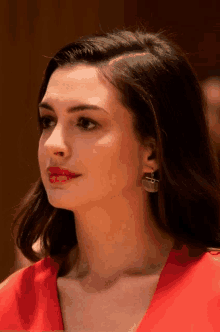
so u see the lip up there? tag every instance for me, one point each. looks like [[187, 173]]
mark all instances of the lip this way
[[56, 171], [61, 179]]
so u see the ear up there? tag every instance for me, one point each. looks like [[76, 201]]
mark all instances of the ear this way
[[150, 160]]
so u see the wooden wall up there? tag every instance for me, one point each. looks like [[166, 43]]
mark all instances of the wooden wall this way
[[31, 32]]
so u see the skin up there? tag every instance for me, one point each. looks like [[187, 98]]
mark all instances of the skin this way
[[116, 231]]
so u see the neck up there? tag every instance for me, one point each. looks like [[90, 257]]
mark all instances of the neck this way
[[113, 243]]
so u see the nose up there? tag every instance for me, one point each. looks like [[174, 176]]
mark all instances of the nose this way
[[55, 144]]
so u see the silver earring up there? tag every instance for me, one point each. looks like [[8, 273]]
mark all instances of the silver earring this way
[[150, 184]]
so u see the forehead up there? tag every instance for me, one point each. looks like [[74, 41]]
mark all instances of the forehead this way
[[84, 83], [79, 79], [75, 73]]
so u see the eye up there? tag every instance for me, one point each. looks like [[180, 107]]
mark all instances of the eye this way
[[46, 120], [86, 121]]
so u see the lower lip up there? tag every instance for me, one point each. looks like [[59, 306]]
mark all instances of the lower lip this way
[[61, 179]]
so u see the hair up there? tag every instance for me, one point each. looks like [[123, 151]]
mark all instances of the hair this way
[[161, 90]]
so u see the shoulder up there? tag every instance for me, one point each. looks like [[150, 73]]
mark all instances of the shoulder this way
[[29, 277], [12, 295], [201, 268], [214, 255], [24, 292], [209, 271], [20, 287], [12, 277], [14, 284], [21, 278]]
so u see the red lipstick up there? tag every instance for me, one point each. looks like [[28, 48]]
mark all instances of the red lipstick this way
[[61, 175]]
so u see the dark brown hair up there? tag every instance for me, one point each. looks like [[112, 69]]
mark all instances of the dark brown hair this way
[[160, 88]]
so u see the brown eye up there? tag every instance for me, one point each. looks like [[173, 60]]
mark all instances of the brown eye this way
[[44, 120], [85, 123]]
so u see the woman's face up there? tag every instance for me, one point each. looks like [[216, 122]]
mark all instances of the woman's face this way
[[97, 143]]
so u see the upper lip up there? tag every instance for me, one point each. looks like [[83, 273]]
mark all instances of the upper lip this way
[[61, 171]]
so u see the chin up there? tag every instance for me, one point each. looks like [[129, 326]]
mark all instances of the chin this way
[[57, 202]]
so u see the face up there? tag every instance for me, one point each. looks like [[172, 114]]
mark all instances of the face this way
[[97, 143]]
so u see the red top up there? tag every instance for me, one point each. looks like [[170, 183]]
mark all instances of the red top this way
[[187, 298]]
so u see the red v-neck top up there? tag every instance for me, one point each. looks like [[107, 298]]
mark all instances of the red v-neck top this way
[[187, 298]]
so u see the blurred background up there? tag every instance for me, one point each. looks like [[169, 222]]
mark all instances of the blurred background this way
[[32, 31]]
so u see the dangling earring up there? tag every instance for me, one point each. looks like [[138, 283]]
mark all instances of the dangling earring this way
[[150, 184]]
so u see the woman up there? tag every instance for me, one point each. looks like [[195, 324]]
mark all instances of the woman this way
[[127, 204]]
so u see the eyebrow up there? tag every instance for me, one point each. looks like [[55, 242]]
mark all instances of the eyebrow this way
[[78, 108]]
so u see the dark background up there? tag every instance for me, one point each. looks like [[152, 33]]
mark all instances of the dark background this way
[[32, 31]]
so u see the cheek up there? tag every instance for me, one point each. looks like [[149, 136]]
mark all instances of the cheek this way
[[116, 155]]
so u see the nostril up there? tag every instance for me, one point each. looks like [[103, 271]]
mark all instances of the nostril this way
[[56, 153]]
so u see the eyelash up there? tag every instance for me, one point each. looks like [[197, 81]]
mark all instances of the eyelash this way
[[44, 127]]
